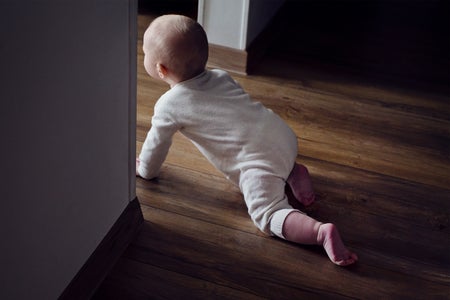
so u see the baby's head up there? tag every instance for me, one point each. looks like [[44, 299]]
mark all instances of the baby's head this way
[[175, 46]]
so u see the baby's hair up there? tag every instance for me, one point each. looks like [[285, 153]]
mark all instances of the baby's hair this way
[[181, 43]]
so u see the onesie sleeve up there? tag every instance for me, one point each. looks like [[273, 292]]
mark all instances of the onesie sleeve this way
[[157, 144]]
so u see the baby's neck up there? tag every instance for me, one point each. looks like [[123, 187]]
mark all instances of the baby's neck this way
[[175, 81]]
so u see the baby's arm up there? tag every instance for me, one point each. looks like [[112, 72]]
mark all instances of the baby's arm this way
[[155, 147], [302, 229], [137, 167]]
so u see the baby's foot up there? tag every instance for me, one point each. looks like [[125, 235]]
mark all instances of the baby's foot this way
[[329, 237], [301, 185]]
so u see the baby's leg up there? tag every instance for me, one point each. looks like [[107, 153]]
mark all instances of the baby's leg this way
[[301, 185], [302, 229]]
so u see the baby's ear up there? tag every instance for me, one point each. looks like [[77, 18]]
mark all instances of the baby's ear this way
[[162, 70]]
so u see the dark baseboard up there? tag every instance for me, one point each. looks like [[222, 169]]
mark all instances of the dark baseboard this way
[[111, 248]]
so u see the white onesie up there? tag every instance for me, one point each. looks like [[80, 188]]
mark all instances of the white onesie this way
[[250, 144]]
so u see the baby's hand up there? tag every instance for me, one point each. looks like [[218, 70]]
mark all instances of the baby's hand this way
[[137, 167]]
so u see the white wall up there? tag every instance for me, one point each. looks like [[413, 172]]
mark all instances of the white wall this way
[[67, 136], [225, 22], [235, 23]]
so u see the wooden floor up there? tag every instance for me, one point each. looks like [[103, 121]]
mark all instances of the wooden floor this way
[[377, 146]]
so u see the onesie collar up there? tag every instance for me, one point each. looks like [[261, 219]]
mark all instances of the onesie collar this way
[[191, 79]]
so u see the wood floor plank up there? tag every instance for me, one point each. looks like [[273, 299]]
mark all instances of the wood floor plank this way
[[210, 198], [197, 195], [146, 281], [213, 252], [378, 194]]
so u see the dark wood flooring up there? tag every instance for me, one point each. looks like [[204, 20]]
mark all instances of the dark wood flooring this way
[[372, 116]]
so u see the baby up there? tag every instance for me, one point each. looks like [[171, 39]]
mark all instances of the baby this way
[[247, 142]]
